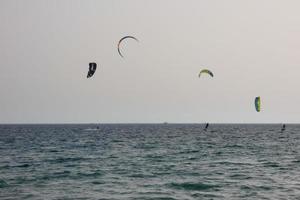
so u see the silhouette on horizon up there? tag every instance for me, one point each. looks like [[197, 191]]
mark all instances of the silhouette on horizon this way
[[283, 128], [206, 126]]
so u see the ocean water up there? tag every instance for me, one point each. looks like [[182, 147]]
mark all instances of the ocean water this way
[[149, 162]]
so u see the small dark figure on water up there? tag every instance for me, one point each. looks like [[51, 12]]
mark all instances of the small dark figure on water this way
[[283, 128], [206, 126]]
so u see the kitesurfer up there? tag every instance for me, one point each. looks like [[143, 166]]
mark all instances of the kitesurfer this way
[[283, 128], [206, 126]]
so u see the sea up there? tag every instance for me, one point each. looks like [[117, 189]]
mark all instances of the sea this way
[[149, 161]]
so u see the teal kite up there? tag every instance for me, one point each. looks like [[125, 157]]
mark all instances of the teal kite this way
[[257, 104]]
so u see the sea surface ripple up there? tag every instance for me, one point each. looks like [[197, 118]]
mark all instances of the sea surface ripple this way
[[149, 162]]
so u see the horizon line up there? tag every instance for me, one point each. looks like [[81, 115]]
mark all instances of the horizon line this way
[[154, 123]]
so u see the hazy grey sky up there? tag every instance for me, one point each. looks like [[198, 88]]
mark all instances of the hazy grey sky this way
[[253, 48]]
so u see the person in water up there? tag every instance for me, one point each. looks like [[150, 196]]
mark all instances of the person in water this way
[[283, 127], [206, 126]]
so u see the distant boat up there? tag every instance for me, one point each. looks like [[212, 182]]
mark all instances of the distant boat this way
[[165, 123], [91, 129]]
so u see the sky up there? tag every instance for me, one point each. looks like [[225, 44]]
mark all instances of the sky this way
[[252, 47]]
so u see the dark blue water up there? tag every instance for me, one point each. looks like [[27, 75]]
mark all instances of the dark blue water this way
[[149, 162]]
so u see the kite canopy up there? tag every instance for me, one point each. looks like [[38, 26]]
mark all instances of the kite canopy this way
[[120, 41], [257, 104], [92, 69], [205, 71]]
